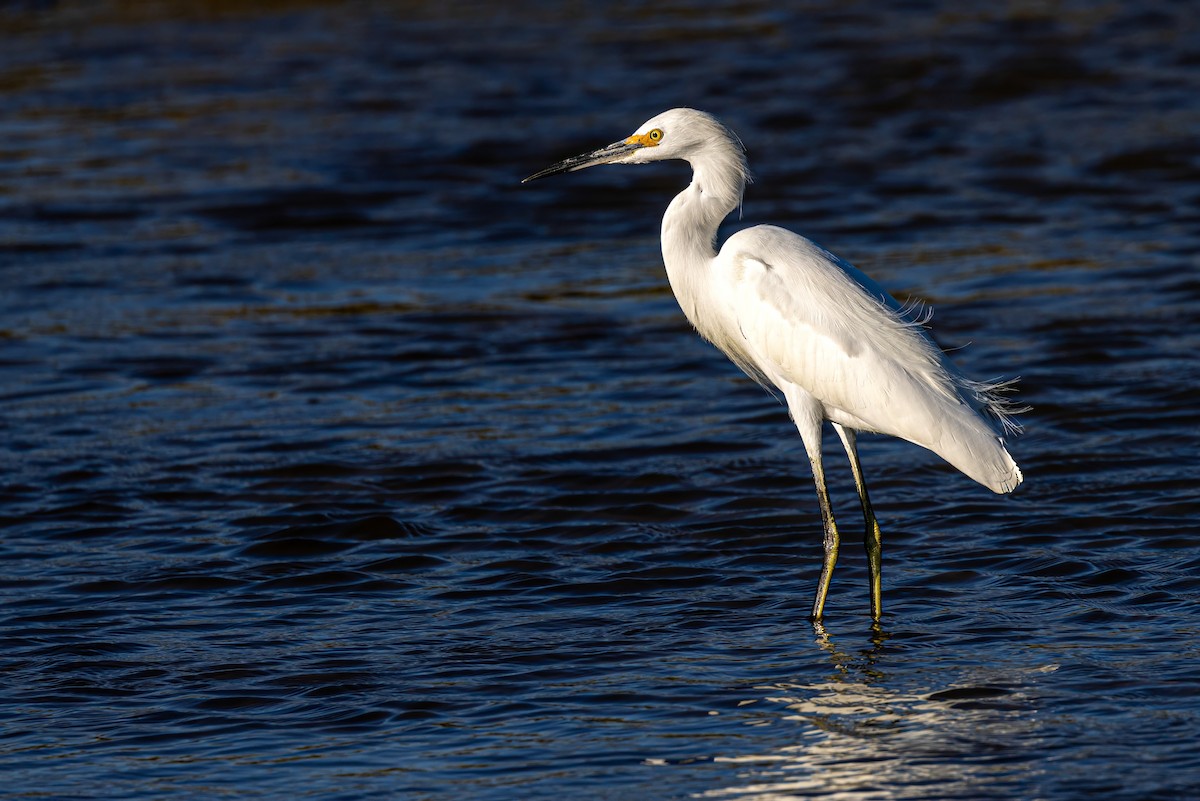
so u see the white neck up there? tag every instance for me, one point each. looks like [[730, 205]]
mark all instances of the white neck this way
[[689, 234]]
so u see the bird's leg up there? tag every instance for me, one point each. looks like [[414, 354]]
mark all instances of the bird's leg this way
[[873, 540], [808, 416], [830, 526]]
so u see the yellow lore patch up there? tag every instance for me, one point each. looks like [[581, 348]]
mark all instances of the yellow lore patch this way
[[648, 139]]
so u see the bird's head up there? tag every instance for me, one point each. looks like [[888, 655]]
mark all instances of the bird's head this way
[[681, 133]]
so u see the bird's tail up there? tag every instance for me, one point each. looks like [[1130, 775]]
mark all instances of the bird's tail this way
[[969, 443], [998, 472]]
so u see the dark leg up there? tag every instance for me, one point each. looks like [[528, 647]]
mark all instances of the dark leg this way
[[832, 539], [873, 540], [808, 415]]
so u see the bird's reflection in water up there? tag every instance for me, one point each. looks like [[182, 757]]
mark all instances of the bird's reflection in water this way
[[862, 735]]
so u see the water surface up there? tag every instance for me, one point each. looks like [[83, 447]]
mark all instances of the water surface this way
[[337, 464]]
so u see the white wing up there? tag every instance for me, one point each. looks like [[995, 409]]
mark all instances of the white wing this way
[[807, 318]]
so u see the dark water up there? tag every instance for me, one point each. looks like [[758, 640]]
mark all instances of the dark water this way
[[337, 464]]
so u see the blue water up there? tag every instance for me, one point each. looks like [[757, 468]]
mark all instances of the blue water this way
[[334, 463]]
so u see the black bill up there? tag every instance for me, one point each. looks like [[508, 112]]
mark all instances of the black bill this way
[[602, 156]]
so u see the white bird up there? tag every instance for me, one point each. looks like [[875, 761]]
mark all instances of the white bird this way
[[793, 315]]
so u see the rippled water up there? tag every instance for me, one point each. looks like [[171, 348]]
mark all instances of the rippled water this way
[[337, 464]]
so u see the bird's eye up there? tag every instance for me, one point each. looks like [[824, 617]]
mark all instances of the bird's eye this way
[[655, 135]]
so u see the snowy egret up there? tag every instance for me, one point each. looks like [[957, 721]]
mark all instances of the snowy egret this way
[[794, 316]]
